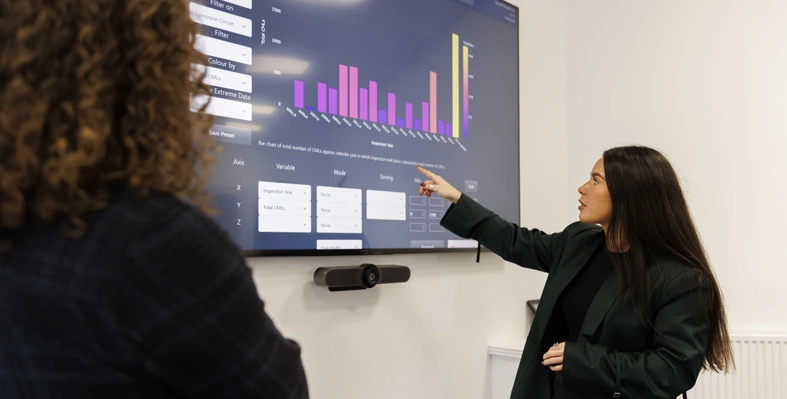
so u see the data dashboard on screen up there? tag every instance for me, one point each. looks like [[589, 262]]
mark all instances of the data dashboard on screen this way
[[324, 108]]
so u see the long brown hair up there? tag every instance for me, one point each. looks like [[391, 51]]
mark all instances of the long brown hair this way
[[96, 94], [650, 215]]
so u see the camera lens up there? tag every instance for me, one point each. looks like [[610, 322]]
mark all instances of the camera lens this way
[[370, 275]]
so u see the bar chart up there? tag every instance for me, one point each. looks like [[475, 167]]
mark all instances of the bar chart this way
[[356, 99]]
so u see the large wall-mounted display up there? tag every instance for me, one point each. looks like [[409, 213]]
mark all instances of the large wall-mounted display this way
[[324, 108]]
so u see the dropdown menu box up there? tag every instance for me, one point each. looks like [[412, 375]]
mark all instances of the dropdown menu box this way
[[281, 207], [338, 210], [220, 19], [338, 195], [384, 212], [285, 224], [386, 205], [222, 107], [223, 49], [216, 77], [339, 225]]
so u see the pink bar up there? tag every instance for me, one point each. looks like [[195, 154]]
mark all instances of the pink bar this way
[[343, 90], [408, 115], [322, 97], [425, 117], [433, 102], [332, 100], [373, 101], [353, 92], [392, 109], [298, 92], [364, 104]]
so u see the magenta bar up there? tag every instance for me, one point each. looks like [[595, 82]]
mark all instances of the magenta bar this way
[[333, 101], [433, 102], [425, 116], [373, 101], [322, 97], [408, 115], [417, 124], [353, 92], [298, 94], [391, 109], [364, 104], [343, 90], [440, 127]]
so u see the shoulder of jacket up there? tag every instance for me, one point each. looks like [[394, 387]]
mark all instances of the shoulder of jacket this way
[[664, 271], [670, 278], [578, 229], [147, 217]]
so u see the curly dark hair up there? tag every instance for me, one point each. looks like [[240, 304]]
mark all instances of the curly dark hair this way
[[96, 94]]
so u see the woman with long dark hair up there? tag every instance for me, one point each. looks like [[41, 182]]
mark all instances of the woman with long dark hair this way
[[631, 307]]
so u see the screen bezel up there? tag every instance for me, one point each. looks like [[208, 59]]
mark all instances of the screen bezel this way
[[393, 251]]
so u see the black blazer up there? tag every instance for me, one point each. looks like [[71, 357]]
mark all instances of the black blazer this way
[[154, 301], [615, 352]]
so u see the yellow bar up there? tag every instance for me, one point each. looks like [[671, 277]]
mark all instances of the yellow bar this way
[[455, 79]]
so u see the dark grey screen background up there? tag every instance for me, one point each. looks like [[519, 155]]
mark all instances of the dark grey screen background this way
[[395, 43]]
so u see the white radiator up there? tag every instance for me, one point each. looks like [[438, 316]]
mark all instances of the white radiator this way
[[761, 372]]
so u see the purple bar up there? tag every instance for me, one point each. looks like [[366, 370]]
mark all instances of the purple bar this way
[[298, 94], [373, 101], [353, 92], [425, 115], [400, 122], [417, 124], [408, 115], [343, 90], [391, 109], [448, 131], [322, 97], [333, 101], [440, 127], [364, 104], [382, 116]]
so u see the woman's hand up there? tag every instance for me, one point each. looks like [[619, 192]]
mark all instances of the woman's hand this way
[[439, 186], [554, 357]]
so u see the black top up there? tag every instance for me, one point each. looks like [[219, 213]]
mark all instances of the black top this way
[[573, 304], [575, 300], [154, 301]]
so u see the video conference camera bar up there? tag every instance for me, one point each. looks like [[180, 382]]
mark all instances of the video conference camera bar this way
[[367, 275]]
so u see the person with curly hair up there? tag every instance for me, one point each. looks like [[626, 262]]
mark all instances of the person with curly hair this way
[[113, 281]]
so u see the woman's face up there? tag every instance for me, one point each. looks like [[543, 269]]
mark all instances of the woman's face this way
[[595, 203]]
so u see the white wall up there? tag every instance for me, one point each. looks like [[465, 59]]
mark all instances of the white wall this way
[[428, 338], [705, 81], [690, 78]]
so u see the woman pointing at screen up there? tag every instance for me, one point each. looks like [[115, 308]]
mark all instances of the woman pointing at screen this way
[[631, 307]]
